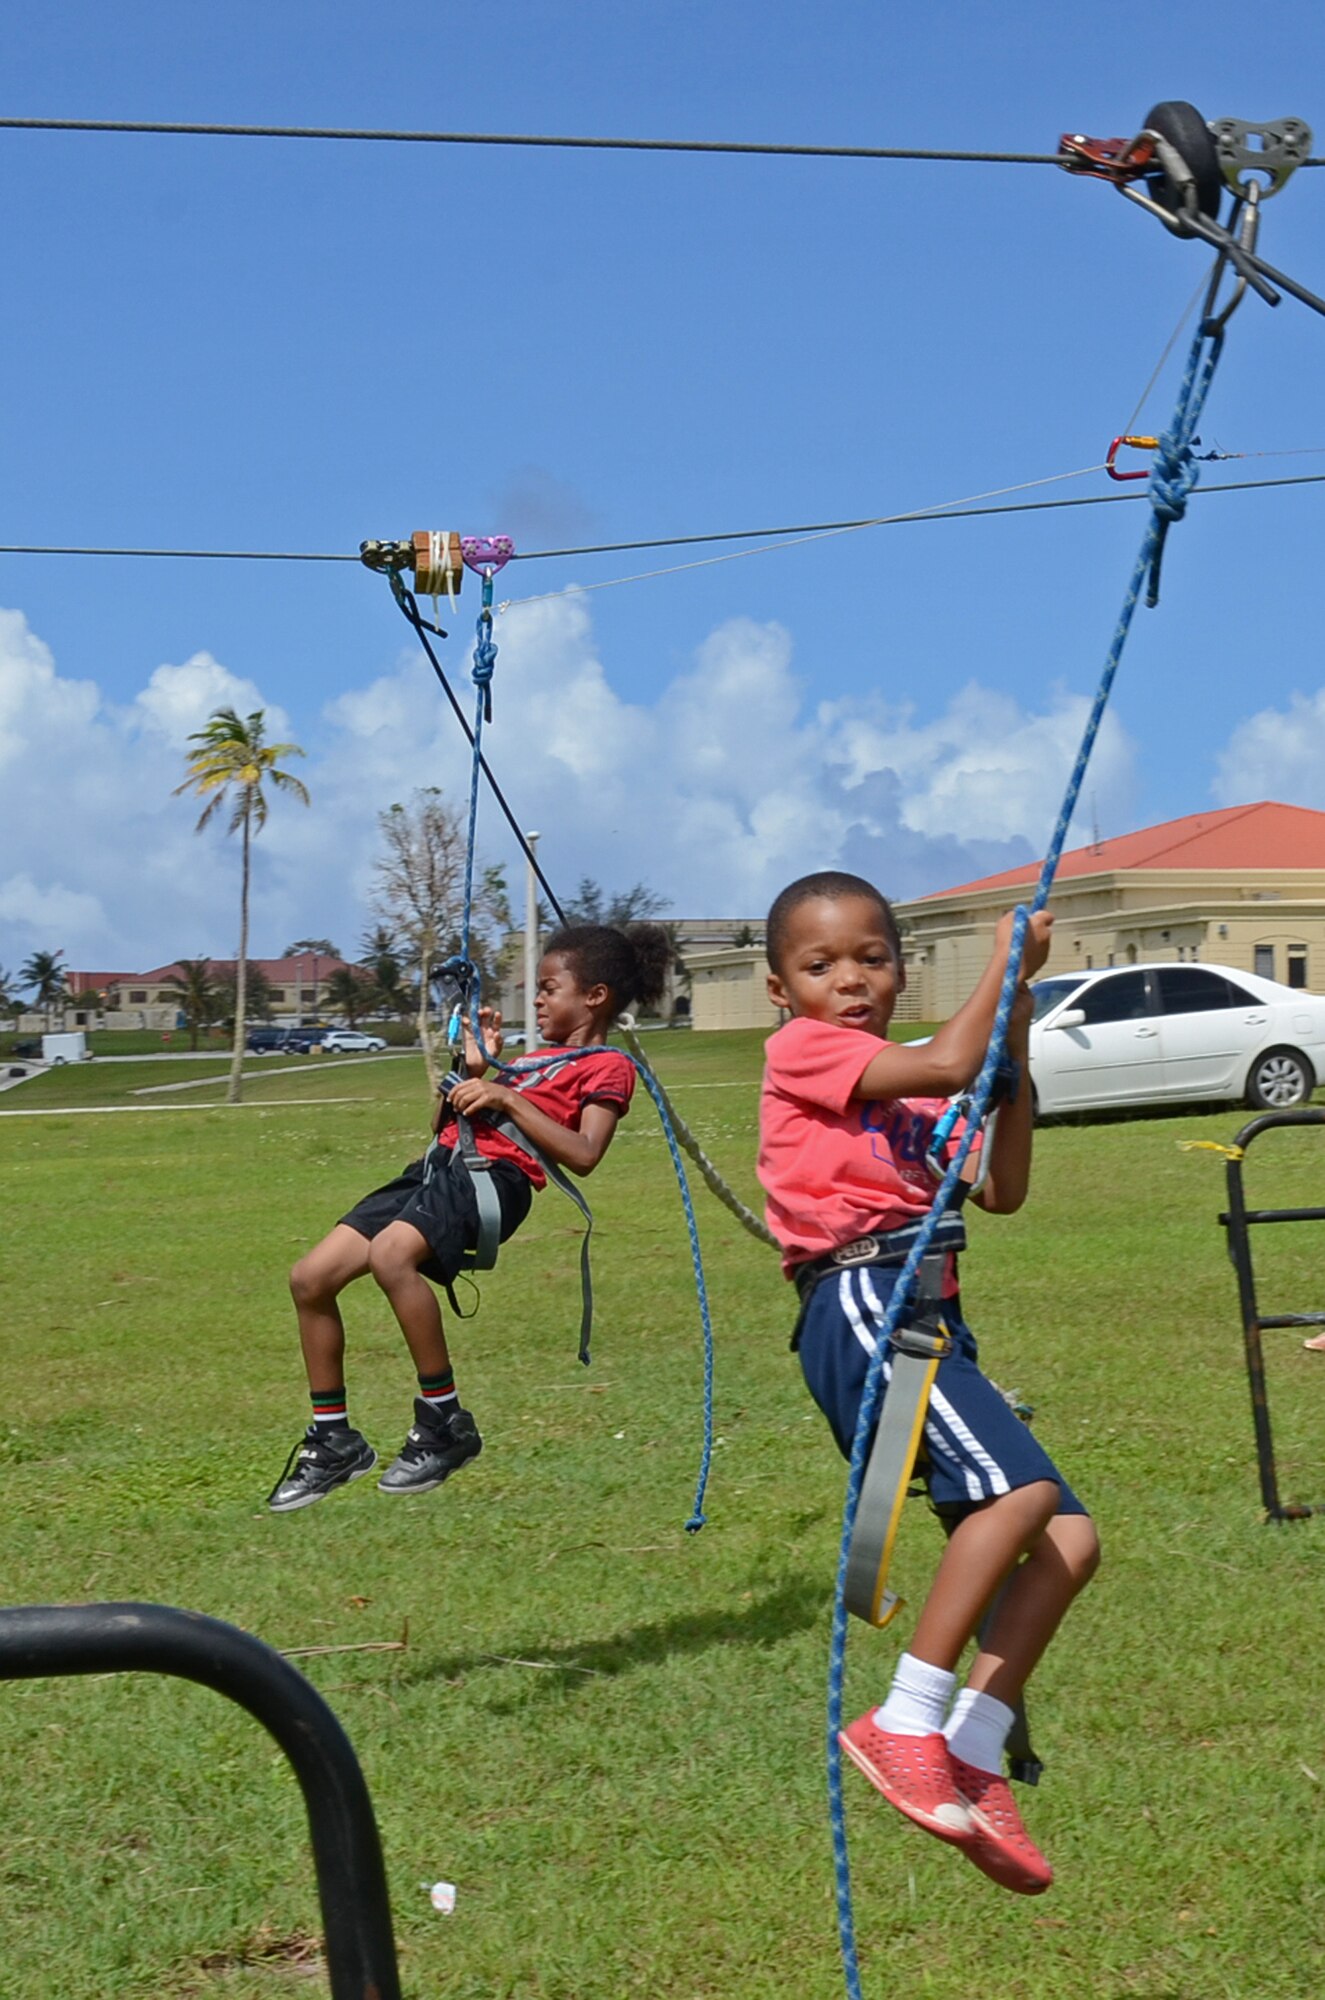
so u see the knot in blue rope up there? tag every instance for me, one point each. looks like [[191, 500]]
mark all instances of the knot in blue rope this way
[[485, 661], [1173, 476]]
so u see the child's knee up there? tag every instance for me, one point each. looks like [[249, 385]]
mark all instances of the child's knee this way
[[389, 1261], [305, 1284], [1079, 1545]]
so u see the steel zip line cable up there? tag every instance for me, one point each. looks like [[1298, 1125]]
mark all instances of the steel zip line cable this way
[[675, 541], [359, 134]]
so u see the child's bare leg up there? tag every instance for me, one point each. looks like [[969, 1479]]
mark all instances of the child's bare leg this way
[[394, 1259], [316, 1283], [981, 1550], [1037, 1598]]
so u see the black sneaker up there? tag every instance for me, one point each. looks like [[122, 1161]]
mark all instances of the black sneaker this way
[[435, 1448], [321, 1461]]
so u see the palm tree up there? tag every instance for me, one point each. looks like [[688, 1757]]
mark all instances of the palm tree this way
[[44, 973], [11, 1001], [382, 959], [350, 992], [197, 994], [229, 762]]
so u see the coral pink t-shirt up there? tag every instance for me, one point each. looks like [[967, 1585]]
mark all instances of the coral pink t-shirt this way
[[835, 1166]]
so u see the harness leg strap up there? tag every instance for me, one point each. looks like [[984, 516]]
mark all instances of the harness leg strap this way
[[916, 1352], [484, 1255]]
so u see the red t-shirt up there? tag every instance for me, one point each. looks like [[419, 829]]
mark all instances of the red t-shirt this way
[[562, 1089], [835, 1166]]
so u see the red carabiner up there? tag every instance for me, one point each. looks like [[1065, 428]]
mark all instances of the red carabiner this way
[[1138, 444]]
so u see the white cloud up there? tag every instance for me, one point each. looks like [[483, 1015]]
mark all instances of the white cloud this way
[[178, 700], [1276, 754], [715, 793]]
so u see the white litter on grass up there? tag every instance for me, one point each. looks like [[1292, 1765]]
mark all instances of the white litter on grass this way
[[442, 1896]]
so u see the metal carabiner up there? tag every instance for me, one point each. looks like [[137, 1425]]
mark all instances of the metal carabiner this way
[[1137, 444], [1246, 221]]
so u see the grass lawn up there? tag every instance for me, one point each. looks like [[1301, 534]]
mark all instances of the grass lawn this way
[[608, 1734]]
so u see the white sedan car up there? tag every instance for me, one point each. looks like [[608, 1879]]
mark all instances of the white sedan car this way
[[1159, 1034], [346, 1041]]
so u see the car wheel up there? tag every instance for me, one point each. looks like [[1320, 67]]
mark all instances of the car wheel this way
[[1278, 1080]]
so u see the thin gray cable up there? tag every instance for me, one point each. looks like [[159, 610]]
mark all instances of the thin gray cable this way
[[680, 541], [414, 138]]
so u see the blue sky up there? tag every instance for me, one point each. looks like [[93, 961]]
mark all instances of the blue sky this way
[[279, 345]]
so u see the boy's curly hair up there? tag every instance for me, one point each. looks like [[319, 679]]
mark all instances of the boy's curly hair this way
[[632, 962], [832, 885]]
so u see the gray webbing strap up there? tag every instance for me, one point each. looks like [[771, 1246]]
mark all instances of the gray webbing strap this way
[[917, 1350], [484, 1254], [562, 1180]]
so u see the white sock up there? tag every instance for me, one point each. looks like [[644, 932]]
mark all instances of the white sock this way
[[978, 1728], [917, 1700]]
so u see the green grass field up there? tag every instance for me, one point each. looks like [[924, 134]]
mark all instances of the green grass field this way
[[608, 1734]]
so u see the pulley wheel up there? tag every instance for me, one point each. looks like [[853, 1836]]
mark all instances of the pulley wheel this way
[[1188, 134]]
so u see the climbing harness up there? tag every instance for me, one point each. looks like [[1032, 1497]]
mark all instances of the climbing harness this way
[[432, 559]]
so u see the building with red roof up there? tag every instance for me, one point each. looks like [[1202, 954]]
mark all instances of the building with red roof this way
[[151, 999], [1243, 887]]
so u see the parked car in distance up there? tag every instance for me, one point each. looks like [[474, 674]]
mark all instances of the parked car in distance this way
[[1160, 1034], [270, 1041], [344, 1041]]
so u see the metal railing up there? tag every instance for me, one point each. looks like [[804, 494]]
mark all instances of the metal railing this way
[[41, 1640], [1238, 1220]]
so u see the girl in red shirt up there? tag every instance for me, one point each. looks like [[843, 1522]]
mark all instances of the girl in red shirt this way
[[420, 1225]]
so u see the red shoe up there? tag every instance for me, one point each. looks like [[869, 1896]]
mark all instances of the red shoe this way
[[1003, 1850], [914, 1774]]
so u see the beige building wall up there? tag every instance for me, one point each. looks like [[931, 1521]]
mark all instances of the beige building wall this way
[[729, 989], [1253, 920]]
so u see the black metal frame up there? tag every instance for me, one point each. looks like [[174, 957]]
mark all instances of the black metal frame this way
[[37, 1640], [1238, 1222]]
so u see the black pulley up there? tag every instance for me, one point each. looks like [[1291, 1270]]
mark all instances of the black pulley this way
[[1182, 125]]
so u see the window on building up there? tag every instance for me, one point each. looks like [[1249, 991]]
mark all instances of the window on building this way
[[1263, 961], [308, 993], [1122, 998], [1297, 966], [277, 996], [138, 998]]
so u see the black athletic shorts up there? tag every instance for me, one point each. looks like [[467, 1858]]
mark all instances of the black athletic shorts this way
[[443, 1208]]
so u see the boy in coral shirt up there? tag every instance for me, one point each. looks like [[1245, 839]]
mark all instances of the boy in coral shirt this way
[[846, 1118]]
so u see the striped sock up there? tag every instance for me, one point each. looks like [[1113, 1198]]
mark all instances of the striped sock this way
[[329, 1411], [438, 1392]]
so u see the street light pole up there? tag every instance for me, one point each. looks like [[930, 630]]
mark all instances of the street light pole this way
[[530, 941]]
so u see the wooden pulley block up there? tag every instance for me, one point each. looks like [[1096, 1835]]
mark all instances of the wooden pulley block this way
[[439, 564]]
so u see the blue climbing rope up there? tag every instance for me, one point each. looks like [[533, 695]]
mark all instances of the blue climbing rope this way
[[1173, 474], [462, 967]]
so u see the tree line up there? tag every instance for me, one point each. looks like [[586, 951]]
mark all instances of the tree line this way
[[416, 904]]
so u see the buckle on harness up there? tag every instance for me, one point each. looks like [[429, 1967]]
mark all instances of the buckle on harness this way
[[924, 1339]]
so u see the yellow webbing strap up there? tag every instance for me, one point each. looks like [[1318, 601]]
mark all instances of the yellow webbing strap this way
[[915, 1363]]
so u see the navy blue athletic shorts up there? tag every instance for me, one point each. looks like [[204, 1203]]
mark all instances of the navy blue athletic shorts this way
[[443, 1208], [975, 1446]]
